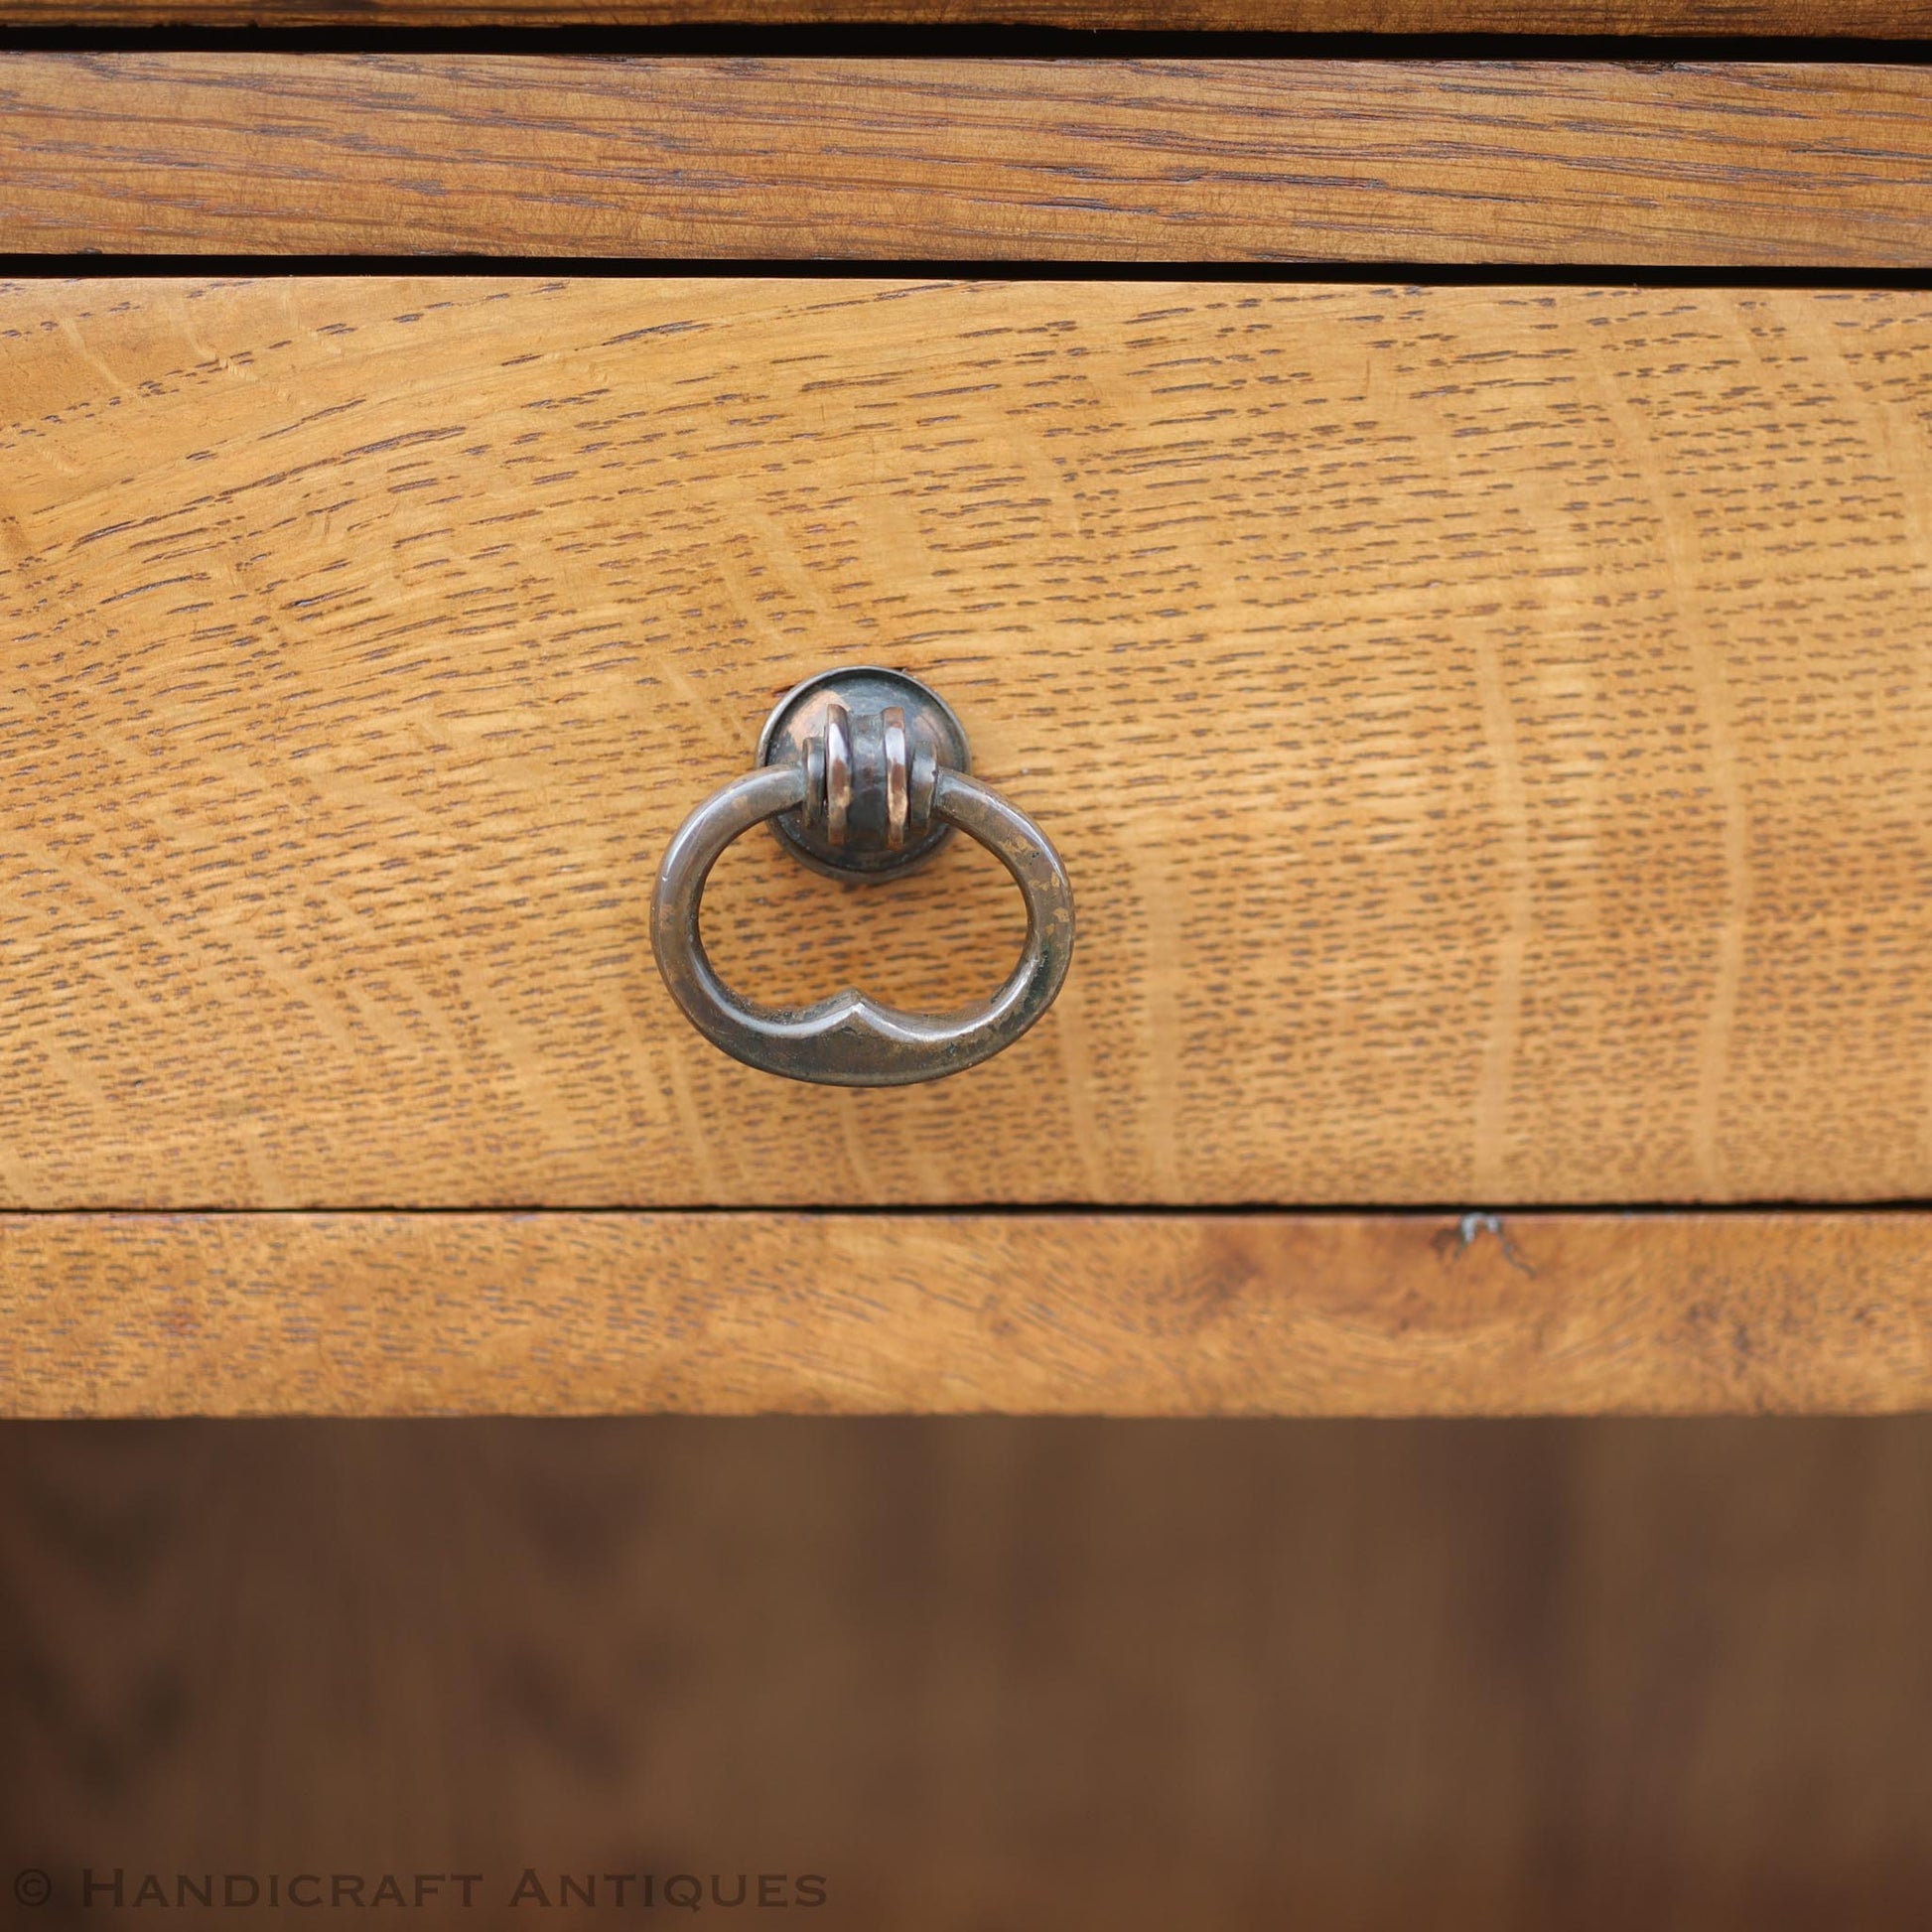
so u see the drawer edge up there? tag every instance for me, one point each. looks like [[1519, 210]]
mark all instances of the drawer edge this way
[[1564, 164], [732, 1312]]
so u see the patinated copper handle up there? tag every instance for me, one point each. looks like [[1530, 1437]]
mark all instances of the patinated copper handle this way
[[896, 785]]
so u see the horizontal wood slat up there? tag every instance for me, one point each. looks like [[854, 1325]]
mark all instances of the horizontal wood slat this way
[[1490, 733], [1895, 18], [1751, 164], [716, 1314]]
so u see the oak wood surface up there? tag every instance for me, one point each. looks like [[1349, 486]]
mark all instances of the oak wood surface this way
[[1045, 1676], [1874, 19], [1762, 164], [1489, 732], [570, 1313]]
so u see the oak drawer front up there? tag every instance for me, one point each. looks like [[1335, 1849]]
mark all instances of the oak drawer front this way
[[1489, 732]]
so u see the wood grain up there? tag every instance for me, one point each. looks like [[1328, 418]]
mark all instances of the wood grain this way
[[1877, 18], [1050, 1677], [570, 1313], [1759, 164], [1489, 732]]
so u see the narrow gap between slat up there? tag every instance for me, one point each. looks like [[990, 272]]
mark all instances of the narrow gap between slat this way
[[1019, 1210], [19, 266], [968, 43]]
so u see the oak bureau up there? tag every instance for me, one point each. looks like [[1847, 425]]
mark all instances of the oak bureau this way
[[1397, 586]]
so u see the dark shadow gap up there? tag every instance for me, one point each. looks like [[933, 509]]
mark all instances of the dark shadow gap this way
[[964, 43], [1368, 274], [1031, 1211]]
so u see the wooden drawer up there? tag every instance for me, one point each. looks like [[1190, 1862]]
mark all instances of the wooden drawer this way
[[1486, 727], [1437, 536], [1488, 732]]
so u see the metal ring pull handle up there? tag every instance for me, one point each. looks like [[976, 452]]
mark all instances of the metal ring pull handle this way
[[865, 771]]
